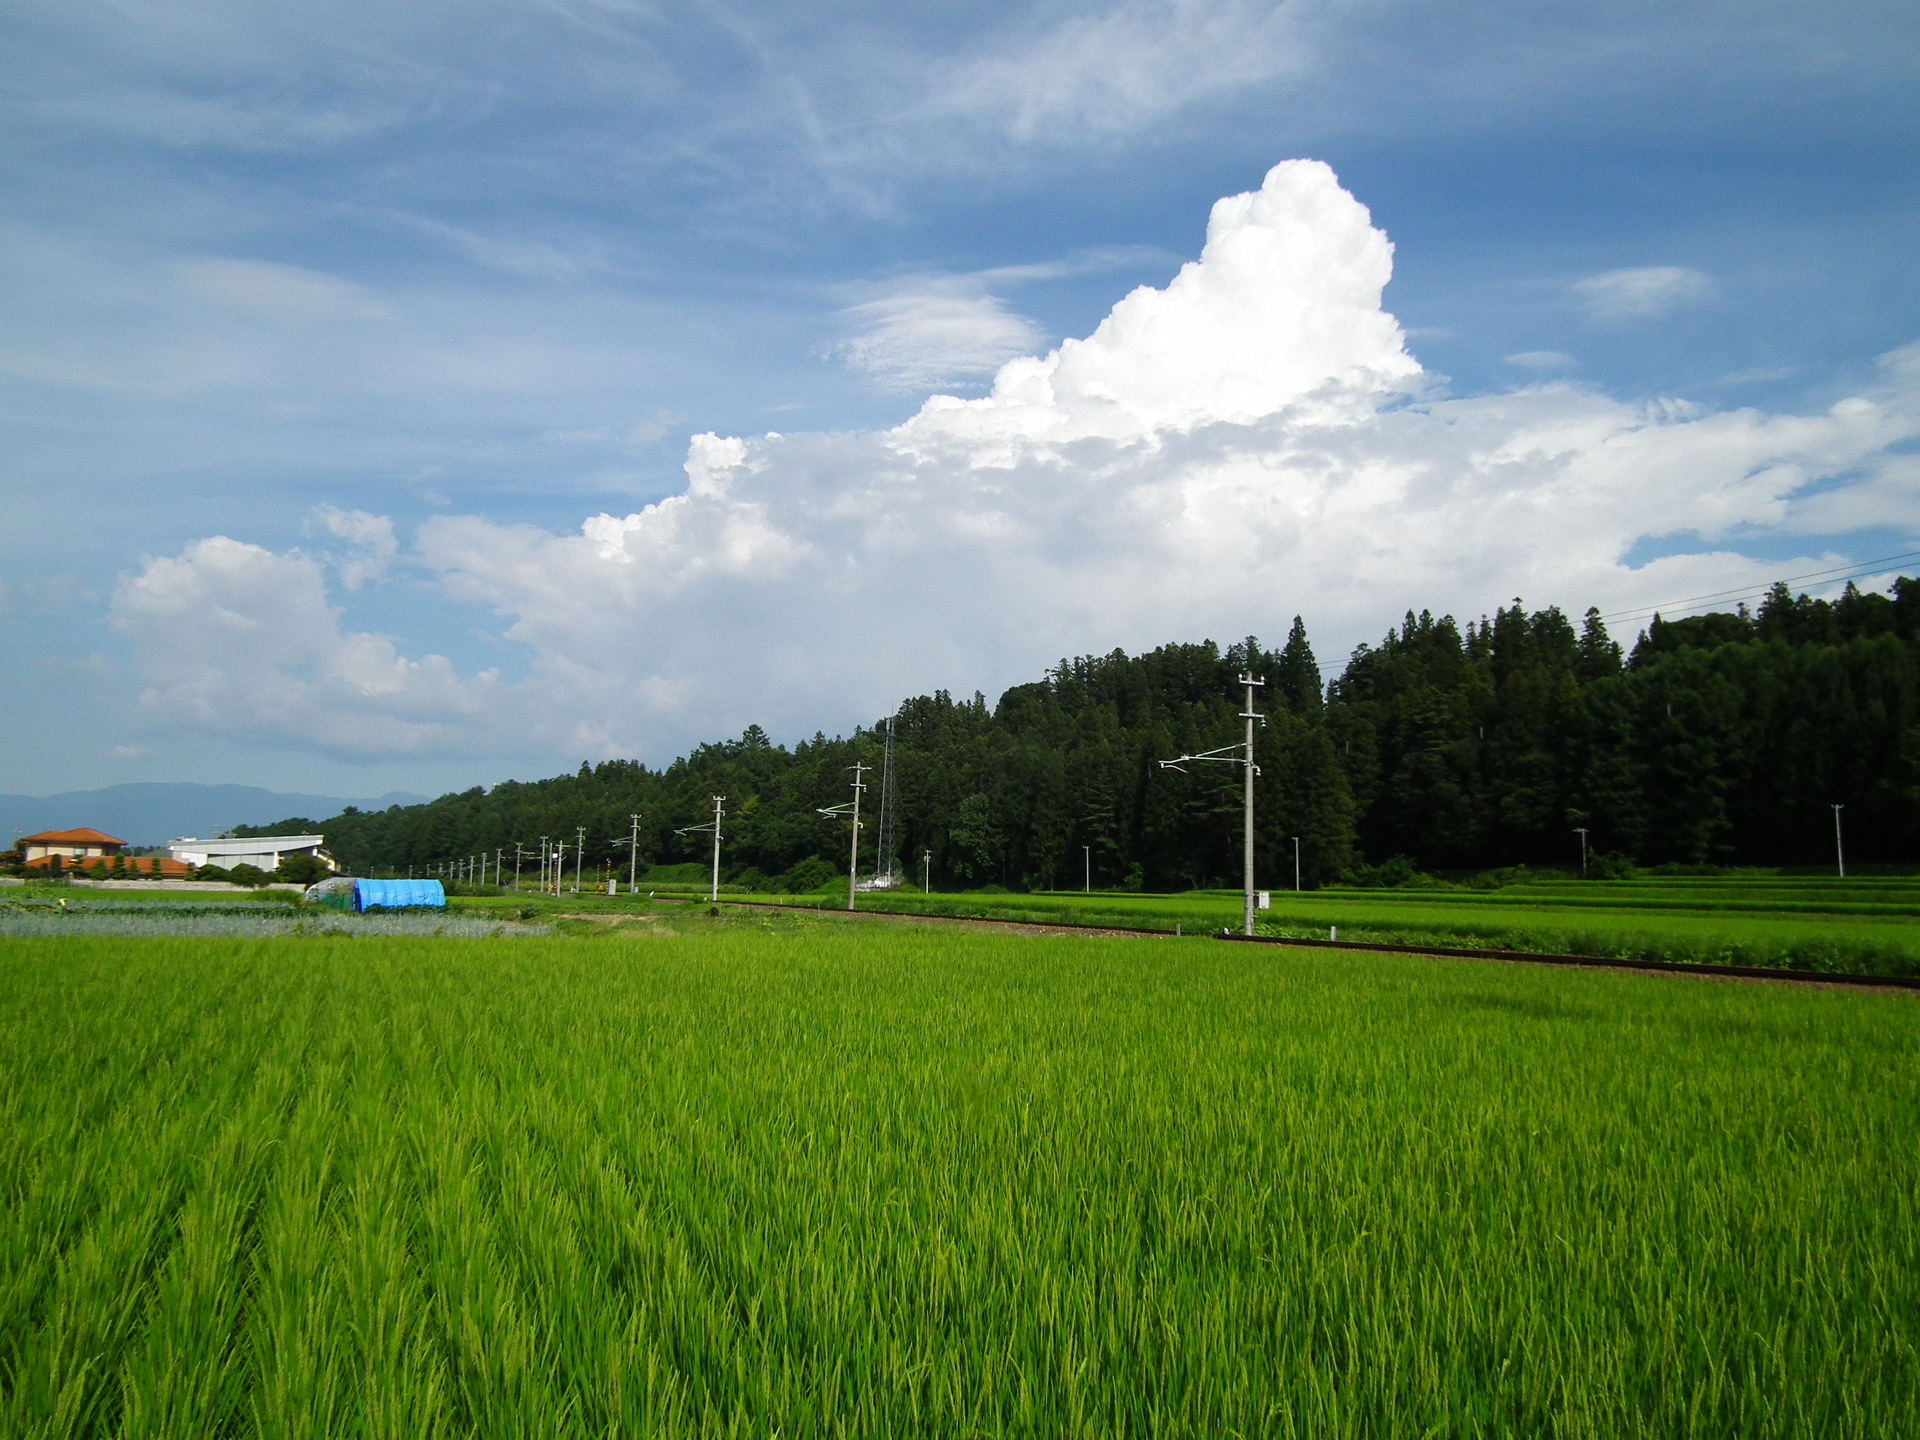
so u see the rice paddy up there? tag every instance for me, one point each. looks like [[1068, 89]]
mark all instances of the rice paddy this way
[[1854, 926], [777, 1175]]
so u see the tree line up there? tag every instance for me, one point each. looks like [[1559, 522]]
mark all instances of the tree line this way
[[1723, 738]]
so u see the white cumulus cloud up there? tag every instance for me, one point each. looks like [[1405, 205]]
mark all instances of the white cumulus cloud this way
[[370, 541], [1252, 441], [236, 640]]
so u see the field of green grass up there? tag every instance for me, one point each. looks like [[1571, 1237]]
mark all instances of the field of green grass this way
[[784, 1174]]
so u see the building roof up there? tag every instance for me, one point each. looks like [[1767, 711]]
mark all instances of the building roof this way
[[82, 836], [248, 844]]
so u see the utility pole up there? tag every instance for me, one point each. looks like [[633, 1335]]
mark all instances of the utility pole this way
[[1220, 756], [498, 852], [718, 814], [516, 867], [543, 864], [579, 851], [1296, 864], [633, 855], [1839, 850], [926, 872], [852, 809], [1581, 831], [1086, 853], [559, 865]]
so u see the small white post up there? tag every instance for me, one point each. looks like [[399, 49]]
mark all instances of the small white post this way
[[1839, 850]]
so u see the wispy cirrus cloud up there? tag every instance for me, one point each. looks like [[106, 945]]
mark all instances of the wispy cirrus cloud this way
[[1645, 293], [932, 331], [920, 332]]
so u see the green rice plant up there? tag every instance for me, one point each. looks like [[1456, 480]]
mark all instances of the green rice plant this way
[[1833, 954], [1833, 942], [780, 1174]]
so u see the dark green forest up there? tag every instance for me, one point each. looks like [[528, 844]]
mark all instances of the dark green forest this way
[[1720, 739]]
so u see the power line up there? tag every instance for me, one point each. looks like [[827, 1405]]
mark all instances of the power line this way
[[1850, 571], [1854, 571]]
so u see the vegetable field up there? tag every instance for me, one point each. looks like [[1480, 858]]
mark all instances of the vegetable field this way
[[778, 1175]]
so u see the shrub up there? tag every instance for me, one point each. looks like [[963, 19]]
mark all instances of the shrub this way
[[302, 870], [1604, 865], [208, 872], [1509, 875], [1388, 874], [250, 875], [803, 879]]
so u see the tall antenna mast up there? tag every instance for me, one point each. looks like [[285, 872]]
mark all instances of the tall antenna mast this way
[[1220, 756], [885, 873]]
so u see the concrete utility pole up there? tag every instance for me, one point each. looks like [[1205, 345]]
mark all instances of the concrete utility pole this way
[[1296, 864], [713, 898], [852, 809], [559, 865], [1252, 717], [718, 814], [1220, 756], [1086, 852], [633, 855], [578, 851], [1839, 850], [543, 864], [926, 872], [1581, 831]]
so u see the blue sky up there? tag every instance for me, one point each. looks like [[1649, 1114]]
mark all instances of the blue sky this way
[[494, 265]]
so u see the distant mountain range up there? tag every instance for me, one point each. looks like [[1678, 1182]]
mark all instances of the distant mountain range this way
[[152, 814]]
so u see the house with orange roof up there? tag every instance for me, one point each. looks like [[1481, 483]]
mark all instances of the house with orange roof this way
[[79, 845], [83, 849]]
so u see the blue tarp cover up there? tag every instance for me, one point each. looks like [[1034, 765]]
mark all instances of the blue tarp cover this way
[[398, 894]]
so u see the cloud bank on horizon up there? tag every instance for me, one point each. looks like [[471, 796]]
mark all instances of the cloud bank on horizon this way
[[1250, 442]]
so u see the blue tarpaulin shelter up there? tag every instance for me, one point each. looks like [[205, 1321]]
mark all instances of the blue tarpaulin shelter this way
[[398, 895]]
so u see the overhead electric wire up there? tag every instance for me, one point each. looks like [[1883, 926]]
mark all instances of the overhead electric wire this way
[[1853, 571]]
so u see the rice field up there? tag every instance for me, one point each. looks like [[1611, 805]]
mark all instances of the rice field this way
[[1836, 927], [778, 1175]]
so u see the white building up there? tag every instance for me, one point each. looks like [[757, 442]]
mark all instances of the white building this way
[[265, 851]]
